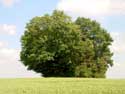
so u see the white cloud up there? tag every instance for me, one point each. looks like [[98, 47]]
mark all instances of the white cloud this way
[[84, 7], [90, 8], [118, 46], [3, 44], [8, 55], [7, 29], [117, 7], [117, 71], [8, 3], [10, 66]]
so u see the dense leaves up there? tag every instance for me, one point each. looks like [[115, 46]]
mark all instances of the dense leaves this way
[[55, 46], [98, 55]]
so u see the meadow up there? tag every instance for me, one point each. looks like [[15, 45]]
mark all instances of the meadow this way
[[61, 86]]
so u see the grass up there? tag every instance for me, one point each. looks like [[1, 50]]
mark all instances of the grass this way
[[61, 86]]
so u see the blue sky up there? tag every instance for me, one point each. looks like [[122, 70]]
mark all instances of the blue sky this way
[[14, 14]]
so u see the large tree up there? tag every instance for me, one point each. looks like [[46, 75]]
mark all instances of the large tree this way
[[55, 46], [52, 45]]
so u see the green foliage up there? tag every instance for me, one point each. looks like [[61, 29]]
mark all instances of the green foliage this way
[[57, 47], [52, 45], [97, 56]]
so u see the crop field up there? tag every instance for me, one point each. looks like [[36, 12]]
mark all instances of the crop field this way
[[61, 86]]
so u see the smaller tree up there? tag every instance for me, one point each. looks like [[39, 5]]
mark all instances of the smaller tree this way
[[97, 53]]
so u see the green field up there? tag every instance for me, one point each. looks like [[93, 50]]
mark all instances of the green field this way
[[61, 86]]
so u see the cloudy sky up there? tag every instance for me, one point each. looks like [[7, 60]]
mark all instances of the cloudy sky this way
[[14, 14]]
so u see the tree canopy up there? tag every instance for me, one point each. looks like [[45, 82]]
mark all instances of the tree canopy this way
[[55, 46]]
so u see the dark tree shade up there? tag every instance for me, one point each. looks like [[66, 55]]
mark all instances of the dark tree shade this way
[[55, 46]]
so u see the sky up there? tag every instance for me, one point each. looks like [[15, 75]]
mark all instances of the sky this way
[[14, 14]]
